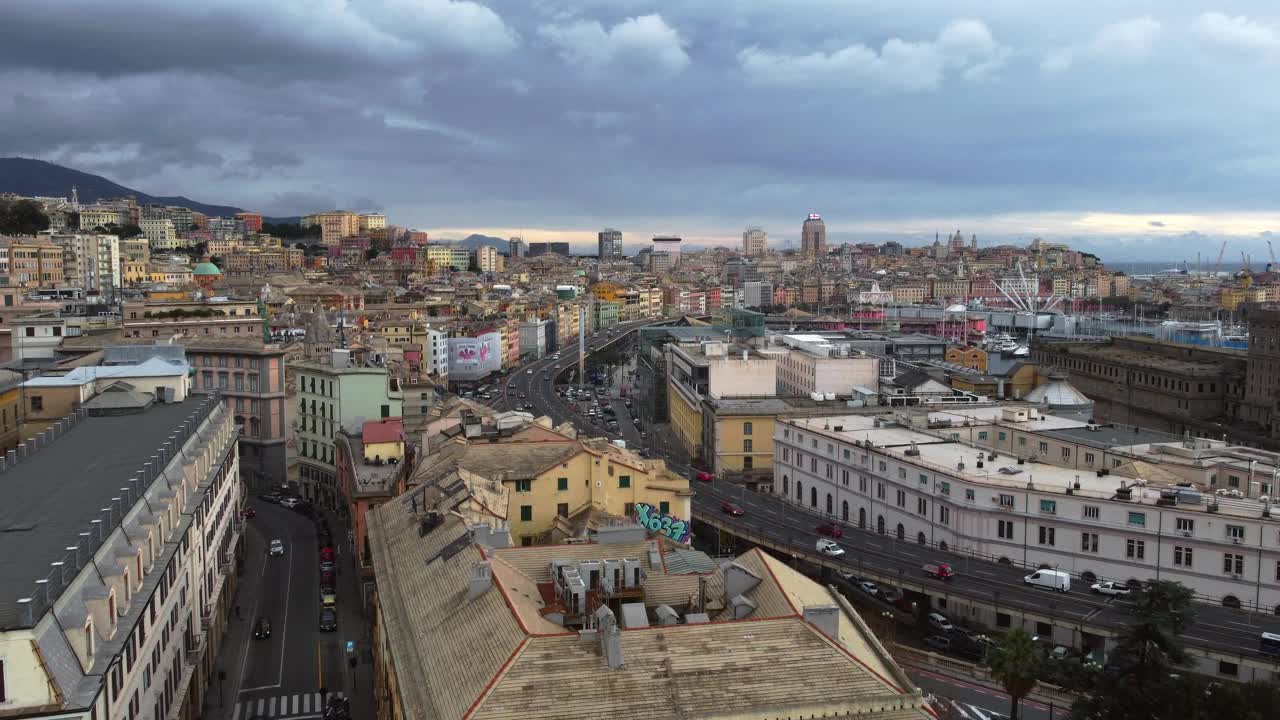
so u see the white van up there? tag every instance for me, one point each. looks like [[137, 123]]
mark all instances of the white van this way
[[829, 547], [1059, 580]]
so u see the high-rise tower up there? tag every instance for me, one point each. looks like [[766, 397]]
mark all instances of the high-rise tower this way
[[754, 241], [610, 244], [813, 237]]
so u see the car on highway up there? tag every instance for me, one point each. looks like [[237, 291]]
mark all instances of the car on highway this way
[[830, 529], [262, 628], [1110, 587], [328, 620], [941, 571], [827, 546], [511, 392], [703, 476], [528, 372], [528, 406], [869, 588], [939, 622], [277, 547], [730, 509]]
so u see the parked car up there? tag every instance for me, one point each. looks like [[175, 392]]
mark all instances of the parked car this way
[[328, 620], [830, 530], [273, 498], [277, 547], [938, 621], [1058, 580], [290, 502], [827, 546], [326, 565], [326, 553], [941, 571], [262, 629], [869, 588], [890, 595], [938, 642], [328, 598], [1110, 587], [733, 510], [327, 578], [703, 476]]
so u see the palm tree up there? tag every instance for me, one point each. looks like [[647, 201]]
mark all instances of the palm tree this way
[[1016, 663]]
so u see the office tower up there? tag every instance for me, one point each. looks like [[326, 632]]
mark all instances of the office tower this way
[[610, 244], [754, 241], [517, 247], [813, 237]]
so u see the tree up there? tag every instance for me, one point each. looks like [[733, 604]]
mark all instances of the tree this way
[[22, 217], [217, 260], [371, 253], [1016, 664]]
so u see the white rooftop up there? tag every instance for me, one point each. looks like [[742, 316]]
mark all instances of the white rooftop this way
[[155, 367]]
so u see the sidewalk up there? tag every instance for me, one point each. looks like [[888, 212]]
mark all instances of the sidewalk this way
[[353, 624], [221, 699]]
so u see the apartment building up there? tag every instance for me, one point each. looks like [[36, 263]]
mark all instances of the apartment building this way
[[91, 262], [28, 262], [96, 216], [333, 395], [1128, 522], [815, 365], [212, 318], [372, 221], [438, 552], [117, 589], [336, 225], [488, 259], [713, 370], [161, 235]]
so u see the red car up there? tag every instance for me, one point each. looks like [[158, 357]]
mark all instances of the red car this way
[[830, 530], [326, 578], [248, 512], [731, 509], [703, 476]]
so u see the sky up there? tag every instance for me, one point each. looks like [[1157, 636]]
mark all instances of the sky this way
[[1135, 130]]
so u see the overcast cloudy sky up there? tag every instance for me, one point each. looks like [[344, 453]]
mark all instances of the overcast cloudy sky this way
[[1141, 129]]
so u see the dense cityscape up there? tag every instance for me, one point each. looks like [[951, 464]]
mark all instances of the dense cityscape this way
[[313, 456]]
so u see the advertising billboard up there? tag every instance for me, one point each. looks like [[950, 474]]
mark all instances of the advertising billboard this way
[[473, 358]]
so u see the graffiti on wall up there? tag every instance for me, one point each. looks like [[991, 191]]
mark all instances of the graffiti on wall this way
[[660, 523]]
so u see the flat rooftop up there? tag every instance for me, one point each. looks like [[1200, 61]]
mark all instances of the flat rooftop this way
[[1135, 357], [49, 499], [1111, 436]]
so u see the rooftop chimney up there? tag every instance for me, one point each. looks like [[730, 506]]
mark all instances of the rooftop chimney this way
[[481, 579], [824, 617], [738, 580], [610, 637]]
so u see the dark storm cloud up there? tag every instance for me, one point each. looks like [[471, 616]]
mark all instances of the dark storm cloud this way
[[694, 117]]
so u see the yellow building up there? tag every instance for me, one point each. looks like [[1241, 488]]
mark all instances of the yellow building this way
[[606, 291], [1233, 297], [92, 217], [685, 413], [172, 274], [970, 357], [10, 409], [560, 484], [383, 441]]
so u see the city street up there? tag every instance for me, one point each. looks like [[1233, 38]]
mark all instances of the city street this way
[[282, 676], [980, 702]]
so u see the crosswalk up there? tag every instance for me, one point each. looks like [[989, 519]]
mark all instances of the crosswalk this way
[[298, 705]]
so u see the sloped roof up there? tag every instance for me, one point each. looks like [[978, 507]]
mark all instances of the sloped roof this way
[[386, 430], [155, 367]]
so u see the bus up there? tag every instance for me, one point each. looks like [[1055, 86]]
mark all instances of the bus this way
[[1269, 644]]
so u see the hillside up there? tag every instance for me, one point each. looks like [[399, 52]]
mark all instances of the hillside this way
[[25, 176], [471, 242]]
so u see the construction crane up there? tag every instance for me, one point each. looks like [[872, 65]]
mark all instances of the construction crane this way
[[1244, 263], [1274, 265], [1218, 264]]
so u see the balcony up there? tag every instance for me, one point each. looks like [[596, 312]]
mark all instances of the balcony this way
[[193, 648]]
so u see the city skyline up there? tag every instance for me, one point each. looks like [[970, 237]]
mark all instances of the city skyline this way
[[1008, 122]]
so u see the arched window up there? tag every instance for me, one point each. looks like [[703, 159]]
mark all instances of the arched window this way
[[829, 510], [844, 511], [880, 524], [786, 486], [1005, 561], [902, 532], [746, 428], [921, 539], [1089, 577], [942, 545], [862, 518], [1231, 601], [813, 497], [799, 491]]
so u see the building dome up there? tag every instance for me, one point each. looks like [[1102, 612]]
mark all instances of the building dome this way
[[1058, 394], [205, 268]]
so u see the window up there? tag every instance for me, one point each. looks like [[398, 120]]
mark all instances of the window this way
[[629, 509], [1006, 501], [1233, 564], [664, 507], [902, 499], [1186, 525], [1091, 512], [1137, 518], [562, 509], [882, 466], [786, 454], [746, 428], [1236, 533], [902, 473], [1004, 529], [1003, 436], [1066, 453], [982, 434], [747, 463], [37, 402], [562, 484], [1049, 507], [1088, 458], [31, 332], [1182, 556], [1044, 447], [746, 446], [1089, 542], [922, 506], [386, 411], [524, 486], [944, 514], [624, 481], [880, 490], [1228, 668], [526, 513], [1135, 549], [924, 479], [968, 494], [945, 487], [1046, 535], [222, 381]]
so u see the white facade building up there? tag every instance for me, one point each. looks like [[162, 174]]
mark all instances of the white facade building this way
[[533, 337], [116, 600], [161, 234], [815, 365], [932, 487], [90, 261]]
